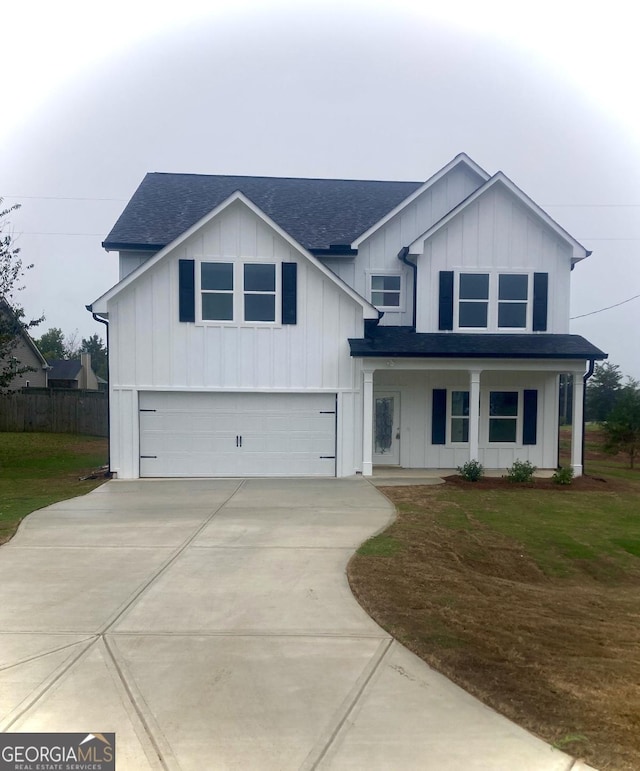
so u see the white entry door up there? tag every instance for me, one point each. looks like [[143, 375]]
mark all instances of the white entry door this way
[[386, 428]]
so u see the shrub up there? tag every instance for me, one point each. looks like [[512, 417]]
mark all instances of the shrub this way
[[471, 471], [563, 475], [521, 471]]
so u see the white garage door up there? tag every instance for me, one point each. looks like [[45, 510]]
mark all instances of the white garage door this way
[[237, 434]]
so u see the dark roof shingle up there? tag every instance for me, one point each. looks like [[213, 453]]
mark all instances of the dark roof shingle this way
[[404, 342], [318, 213], [64, 369]]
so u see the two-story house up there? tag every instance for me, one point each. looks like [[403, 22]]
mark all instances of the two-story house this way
[[277, 326]]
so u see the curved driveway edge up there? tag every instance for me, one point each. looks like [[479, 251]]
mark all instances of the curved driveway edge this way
[[209, 623]]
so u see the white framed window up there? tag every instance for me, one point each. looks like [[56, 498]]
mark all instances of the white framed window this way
[[216, 291], [493, 301], [385, 291], [504, 414], [513, 296], [459, 417], [259, 287], [473, 301], [243, 292]]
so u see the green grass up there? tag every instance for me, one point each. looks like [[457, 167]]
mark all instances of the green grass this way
[[558, 529], [37, 470], [379, 546]]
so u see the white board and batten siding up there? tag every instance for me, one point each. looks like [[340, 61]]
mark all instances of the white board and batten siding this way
[[379, 252], [496, 233], [155, 352]]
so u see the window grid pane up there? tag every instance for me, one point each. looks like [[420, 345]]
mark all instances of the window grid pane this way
[[217, 306], [259, 307], [473, 314], [502, 429], [503, 403], [474, 286], [216, 275], [459, 429], [259, 278], [512, 315], [513, 286]]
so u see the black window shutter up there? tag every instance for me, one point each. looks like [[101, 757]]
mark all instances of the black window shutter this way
[[187, 290], [540, 294], [289, 293], [530, 417], [439, 416], [445, 305]]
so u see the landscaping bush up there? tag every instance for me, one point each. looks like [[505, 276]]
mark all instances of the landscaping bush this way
[[521, 471], [471, 471], [563, 475]]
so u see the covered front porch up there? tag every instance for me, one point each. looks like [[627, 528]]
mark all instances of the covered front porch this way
[[429, 416]]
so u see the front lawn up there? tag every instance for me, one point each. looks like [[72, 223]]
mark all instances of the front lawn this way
[[39, 469], [528, 597]]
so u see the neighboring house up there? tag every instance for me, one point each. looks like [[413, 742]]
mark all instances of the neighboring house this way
[[271, 326], [73, 373], [25, 353]]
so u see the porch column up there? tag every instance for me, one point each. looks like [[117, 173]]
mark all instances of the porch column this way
[[577, 424], [367, 423], [474, 414]]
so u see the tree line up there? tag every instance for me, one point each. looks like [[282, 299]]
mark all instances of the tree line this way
[[614, 402], [53, 344]]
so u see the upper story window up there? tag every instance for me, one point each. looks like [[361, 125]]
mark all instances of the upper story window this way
[[493, 301], [244, 292], [259, 292], [386, 291], [216, 285], [473, 308], [513, 293]]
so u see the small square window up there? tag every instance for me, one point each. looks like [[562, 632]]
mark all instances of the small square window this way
[[385, 291]]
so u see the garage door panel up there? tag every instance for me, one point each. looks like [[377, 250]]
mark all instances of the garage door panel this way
[[239, 434]]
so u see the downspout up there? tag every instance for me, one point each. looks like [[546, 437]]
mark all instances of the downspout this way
[[106, 323], [592, 366], [402, 256]]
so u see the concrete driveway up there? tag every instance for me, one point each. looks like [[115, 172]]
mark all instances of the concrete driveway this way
[[211, 626]]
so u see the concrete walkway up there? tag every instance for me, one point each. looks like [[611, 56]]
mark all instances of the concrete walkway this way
[[211, 626]]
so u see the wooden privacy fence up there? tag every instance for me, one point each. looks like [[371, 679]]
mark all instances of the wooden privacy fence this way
[[57, 411]]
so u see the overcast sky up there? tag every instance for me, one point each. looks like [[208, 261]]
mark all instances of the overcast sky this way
[[96, 95]]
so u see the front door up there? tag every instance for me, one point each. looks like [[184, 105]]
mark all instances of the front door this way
[[386, 428]]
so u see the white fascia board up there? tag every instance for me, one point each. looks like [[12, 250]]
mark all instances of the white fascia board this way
[[460, 158], [579, 251], [100, 305]]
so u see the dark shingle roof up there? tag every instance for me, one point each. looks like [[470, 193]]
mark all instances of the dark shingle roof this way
[[64, 369], [404, 342], [318, 213]]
